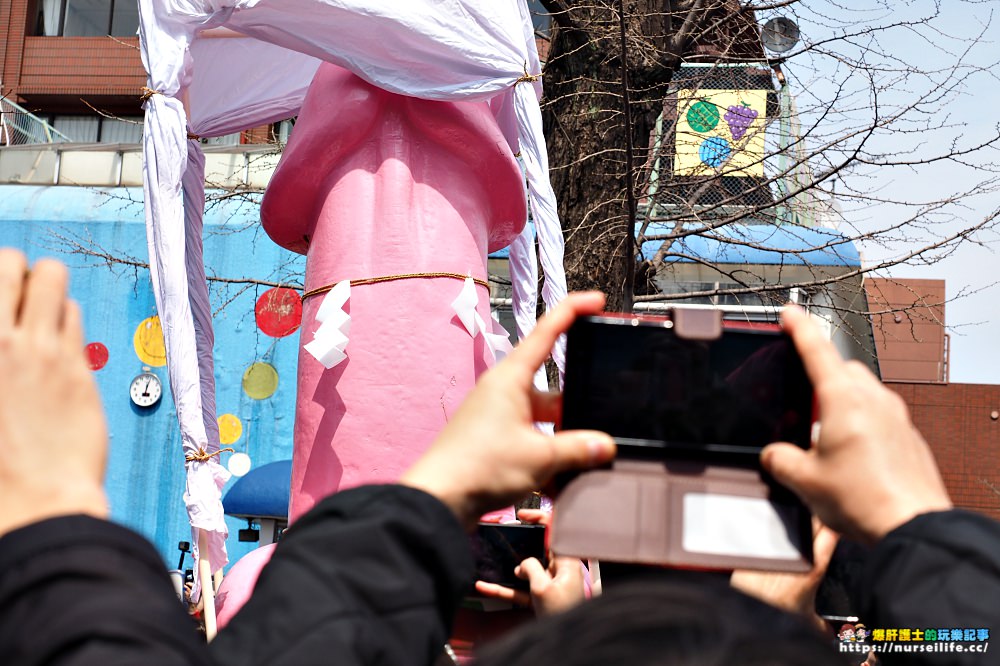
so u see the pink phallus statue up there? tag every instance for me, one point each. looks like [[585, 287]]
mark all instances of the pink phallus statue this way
[[404, 198]]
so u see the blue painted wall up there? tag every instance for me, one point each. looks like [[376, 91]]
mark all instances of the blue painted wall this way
[[145, 478], [146, 473]]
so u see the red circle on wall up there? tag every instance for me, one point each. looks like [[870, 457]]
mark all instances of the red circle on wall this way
[[279, 312], [97, 355]]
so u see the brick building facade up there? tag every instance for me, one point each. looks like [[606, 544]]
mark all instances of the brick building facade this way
[[76, 65], [961, 422], [51, 66]]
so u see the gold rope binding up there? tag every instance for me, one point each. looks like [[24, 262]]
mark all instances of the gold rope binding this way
[[204, 456], [389, 278], [147, 93], [527, 78]]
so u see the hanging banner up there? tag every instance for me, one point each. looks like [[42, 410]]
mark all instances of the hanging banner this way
[[720, 132]]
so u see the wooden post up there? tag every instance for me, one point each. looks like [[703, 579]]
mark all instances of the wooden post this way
[[207, 586]]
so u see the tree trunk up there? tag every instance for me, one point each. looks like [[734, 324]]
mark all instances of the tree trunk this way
[[584, 115], [585, 131]]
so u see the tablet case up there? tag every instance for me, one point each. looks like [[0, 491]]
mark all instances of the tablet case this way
[[683, 513]]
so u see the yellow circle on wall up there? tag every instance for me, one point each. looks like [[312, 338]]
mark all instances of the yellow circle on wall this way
[[148, 342], [230, 428], [260, 381]]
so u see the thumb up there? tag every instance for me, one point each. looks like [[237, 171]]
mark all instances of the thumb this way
[[788, 464], [531, 570], [580, 449]]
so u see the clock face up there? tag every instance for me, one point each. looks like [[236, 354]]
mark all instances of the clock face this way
[[146, 390]]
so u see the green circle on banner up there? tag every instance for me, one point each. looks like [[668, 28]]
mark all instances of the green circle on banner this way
[[703, 116], [260, 381]]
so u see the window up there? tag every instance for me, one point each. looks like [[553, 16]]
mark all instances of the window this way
[[121, 130], [283, 131], [79, 129], [540, 17], [227, 140], [505, 315], [87, 18], [97, 129]]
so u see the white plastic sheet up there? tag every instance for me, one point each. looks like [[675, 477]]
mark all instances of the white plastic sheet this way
[[433, 49]]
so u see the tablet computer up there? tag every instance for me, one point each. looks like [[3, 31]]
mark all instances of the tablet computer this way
[[691, 401]]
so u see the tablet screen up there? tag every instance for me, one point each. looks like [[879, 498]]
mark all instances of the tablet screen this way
[[647, 387]]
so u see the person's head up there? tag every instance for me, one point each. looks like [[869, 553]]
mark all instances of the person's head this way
[[681, 624]]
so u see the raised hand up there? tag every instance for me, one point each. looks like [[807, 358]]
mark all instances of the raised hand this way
[[870, 470], [553, 589], [490, 455], [53, 436]]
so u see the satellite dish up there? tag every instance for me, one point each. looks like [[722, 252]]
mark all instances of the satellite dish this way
[[779, 35]]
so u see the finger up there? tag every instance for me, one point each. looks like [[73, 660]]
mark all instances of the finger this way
[[72, 332], [820, 358], [824, 543], [45, 296], [579, 449], [546, 406], [534, 349], [532, 571], [534, 516], [860, 373], [494, 591], [13, 266], [566, 568], [788, 464]]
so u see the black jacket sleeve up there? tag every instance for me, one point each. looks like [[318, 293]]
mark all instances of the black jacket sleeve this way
[[77, 591], [372, 575], [939, 571], [369, 576]]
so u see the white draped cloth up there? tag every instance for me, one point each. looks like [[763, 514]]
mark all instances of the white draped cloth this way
[[220, 66]]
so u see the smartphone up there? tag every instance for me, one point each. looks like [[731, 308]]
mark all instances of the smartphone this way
[[497, 549], [712, 397]]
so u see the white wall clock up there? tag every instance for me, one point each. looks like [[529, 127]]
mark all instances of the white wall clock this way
[[146, 389]]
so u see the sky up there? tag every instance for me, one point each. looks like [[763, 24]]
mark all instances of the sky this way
[[914, 62]]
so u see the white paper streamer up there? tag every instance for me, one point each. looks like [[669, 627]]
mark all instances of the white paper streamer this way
[[466, 306], [498, 341], [329, 343]]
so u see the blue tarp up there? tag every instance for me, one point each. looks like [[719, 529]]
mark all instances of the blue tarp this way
[[262, 493], [761, 244]]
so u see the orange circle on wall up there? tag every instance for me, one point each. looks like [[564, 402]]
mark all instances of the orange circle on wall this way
[[148, 342], [230, 428]]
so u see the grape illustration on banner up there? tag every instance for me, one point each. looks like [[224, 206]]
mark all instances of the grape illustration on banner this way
[[739, 118]]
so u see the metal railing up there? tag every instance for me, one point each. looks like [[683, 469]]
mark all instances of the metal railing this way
[[19, 127]]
